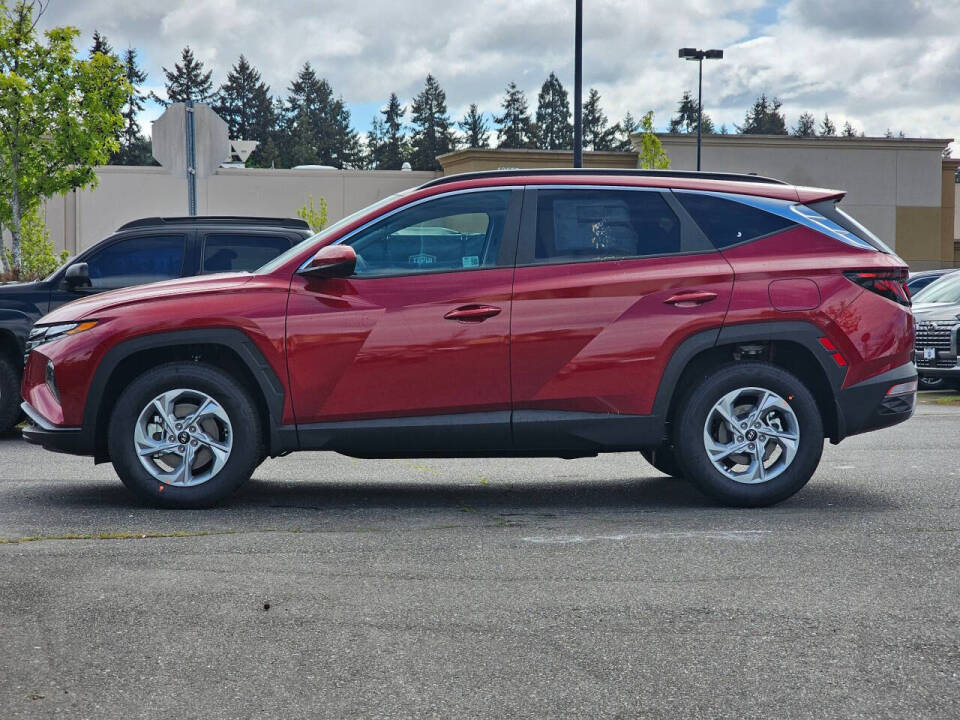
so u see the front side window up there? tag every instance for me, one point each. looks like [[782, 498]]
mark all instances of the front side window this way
[[456, 232], [136, 261], [241, 253], [584, 225]]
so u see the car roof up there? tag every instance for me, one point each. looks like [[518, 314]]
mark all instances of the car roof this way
[[220, 220], [743, 184]]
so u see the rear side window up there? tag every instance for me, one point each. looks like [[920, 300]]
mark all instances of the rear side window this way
[[583, 225], [728, 222], [239, 253]]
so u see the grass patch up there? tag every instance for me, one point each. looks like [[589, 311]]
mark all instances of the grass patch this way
[[115, 536]]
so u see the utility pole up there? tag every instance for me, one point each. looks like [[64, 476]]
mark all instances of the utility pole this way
[[578, 89]]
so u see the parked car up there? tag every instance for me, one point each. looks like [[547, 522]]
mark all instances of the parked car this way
[[723, 325], [142, 251], [937, 314], [923, 278]]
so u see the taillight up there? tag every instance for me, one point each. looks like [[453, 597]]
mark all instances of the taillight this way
[[891, 284]]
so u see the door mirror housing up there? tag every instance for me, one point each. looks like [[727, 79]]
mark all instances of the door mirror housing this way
[[77, 277], [332, 261]]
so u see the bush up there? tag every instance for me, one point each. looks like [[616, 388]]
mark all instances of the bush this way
[[315, 217], [37, 255]]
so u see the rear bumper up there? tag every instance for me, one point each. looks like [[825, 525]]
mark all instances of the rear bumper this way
[[866, 405], [59, 439]]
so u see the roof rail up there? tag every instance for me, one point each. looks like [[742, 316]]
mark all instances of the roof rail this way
[[692, 174], [294, 223]]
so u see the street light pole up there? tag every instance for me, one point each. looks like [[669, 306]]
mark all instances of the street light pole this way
[[700, 56], [578, 88]]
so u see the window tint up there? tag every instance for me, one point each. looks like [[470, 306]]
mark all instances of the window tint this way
[[727, 222], [136, 261], [238, 253], [458, 232], [577, 225]]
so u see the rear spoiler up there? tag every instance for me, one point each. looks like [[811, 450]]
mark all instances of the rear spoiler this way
[[808, 195]]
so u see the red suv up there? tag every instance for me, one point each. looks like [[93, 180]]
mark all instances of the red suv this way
[[722, 325]]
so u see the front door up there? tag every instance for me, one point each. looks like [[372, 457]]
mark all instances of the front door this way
[[421, 330]]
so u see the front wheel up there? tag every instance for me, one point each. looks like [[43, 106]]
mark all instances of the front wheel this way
[[749, 435], [185, 435]]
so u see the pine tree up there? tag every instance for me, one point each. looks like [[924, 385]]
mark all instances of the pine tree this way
[[393, 151], [848, 130], [625, 128], [475, 129], [554, 130], [764, 118], [376, 138], [432, 135], [317, 125], [100, 45], [187, 81], [685, 121], [806, 126], [135, 149], [243, 101], [827, 128], [596, 133], [515, 127]]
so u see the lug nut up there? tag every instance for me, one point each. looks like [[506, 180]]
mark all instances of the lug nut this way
[[743, 426], [739, 438], [181, 449], [179, 426], [193, 443], [171, 438], [752, 446]]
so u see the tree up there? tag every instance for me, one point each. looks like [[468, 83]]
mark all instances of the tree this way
[[187, 81], [514, 129], [554, 130], [135, 149], [685, 121], [848, 130], [625, 128], [393, 151], [596, 134], [475, 129], [59, 115], [432, 135], [764, 118], [317, 125], [100, 45], [806, 126], [376, 137], [827, 128], [652, 156], [243, 101]]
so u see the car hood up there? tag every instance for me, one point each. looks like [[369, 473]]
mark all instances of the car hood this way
[[90, 307], [936, 311], [16, 287]]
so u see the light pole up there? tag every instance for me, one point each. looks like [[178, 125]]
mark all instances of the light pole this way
[[578, 88], [700, 56]]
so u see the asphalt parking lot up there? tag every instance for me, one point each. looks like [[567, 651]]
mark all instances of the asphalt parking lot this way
[[496, 588]]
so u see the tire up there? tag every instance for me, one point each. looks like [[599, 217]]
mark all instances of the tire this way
[[664, 459], [9, 395], [225, 444], [792, 456]]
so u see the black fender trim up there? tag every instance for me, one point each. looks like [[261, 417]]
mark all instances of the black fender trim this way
[[866, 407], [234, 339]]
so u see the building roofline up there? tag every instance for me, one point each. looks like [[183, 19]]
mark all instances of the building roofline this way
[[608, 172], [818, 141]]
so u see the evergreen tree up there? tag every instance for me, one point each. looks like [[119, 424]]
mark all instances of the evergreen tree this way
[[187, 80], [244, 103], [393, 150], [100, 45], [432, 135], [554, 130], [764, 118], [806, 126], [317, 125], [376, 138], [475, 129], [135, 149], [827, 128], [625, 128], [515, 129], [848, 130], [596, 133], [685, 121]]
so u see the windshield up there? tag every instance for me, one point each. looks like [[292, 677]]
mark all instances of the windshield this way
[[944, 290], [325, 233]]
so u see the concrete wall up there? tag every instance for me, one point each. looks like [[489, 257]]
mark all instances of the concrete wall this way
[[476, 160], [80, 219], [894, 186]]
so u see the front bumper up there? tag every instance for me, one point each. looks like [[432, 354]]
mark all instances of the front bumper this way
[[59, 439], [866, 406]]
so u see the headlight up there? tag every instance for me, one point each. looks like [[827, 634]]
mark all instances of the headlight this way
[[41, 334]]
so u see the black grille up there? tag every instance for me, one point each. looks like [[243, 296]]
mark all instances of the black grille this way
[[943, 363], [935, 335]]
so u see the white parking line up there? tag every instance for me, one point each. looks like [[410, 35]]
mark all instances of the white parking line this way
[[738, 535]]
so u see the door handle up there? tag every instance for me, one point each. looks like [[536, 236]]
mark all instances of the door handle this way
[[473, 313], [691, 299]]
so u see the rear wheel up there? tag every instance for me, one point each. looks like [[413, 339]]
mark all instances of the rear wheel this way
[[664, 459], [185, 435], [749, 435], [9, 395]]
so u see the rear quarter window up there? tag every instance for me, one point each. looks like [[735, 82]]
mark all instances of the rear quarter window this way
[[728, 222]]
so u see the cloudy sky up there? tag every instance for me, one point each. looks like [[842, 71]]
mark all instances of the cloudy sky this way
[[877, 63]]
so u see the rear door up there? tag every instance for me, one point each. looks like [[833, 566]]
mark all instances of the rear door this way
[[609, 281]]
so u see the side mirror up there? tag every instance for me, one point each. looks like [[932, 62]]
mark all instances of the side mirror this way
[[332, 261], [77, 276]]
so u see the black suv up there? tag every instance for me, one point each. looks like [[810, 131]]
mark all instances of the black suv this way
[[142, 251]]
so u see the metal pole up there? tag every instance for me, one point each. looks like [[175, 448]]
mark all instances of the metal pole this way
[[699, 112], [191, 160], [578, 89]]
